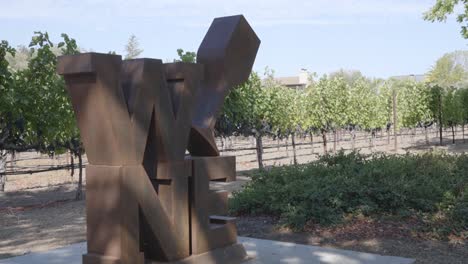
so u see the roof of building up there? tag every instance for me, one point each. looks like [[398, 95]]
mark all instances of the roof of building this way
[[415, 77], [291, 80]]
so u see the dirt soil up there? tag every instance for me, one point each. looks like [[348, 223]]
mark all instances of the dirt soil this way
[[26, 228], [384, 238], [41, 229], [37, 211]]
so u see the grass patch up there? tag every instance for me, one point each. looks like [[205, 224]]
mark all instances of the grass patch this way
[[433, 186]]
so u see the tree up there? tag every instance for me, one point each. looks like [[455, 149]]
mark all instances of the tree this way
[[247, 108], [450, 70], [252, 109], [330, 99], [437, 94], [366, 107], [443, 8], [187, 56], [24, 54], [37, 111], [414, 103], [350, 76], [7, 121], [132, 49], [452, 110], [20, 59], [462, 95], [295, 115], [414, 109], [311, 122], [282, 110]]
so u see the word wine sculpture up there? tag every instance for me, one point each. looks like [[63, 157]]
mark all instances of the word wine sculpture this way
[[147, 201]]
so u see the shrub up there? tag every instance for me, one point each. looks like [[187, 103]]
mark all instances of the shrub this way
[[327, 190]]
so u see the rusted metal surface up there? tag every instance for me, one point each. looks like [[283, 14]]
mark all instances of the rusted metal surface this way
[[146, 200], [227, 52]]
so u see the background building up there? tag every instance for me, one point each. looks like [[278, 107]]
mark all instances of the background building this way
[[295, 82], [415, 77]]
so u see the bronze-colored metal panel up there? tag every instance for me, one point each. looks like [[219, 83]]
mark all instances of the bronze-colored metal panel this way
[[103, 210], [209, 229], [173, 133], [228, 52], [164, 226], [92, 81], [141, 81]]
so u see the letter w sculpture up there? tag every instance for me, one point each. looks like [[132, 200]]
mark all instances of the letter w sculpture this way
[[146, 201]]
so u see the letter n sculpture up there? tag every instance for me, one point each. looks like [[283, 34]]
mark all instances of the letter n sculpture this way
[[147, 201]]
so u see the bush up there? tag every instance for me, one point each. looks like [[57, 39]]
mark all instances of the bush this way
[[327, 190]]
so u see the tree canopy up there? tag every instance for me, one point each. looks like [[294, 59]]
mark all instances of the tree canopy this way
[[132, 48], [443, 8], [451, 70], [186, 56]]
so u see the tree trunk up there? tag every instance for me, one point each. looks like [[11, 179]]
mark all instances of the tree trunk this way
[[463, 133], [395, 121], [293, 141], [334, 140], [338, 139], [453, 135], [72, 164], [388, 136], [456, 131], [324, 137], [440, 120], [278, 143], [13, 161], [426, 135], [441, 142], [311, 142], [79, 189], [353, 139], [3, 160], [259, 148]]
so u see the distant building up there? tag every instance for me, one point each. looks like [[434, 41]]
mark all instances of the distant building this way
[[414, 77], [295, 82]]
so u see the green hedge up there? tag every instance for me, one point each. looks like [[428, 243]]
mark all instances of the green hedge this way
[[336, 186]]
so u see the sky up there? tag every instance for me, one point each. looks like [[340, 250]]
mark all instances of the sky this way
[[381, 38]]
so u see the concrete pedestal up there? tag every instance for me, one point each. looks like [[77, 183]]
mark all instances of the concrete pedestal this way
[[260, 251]]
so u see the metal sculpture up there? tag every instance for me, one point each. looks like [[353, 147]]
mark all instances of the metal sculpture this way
[[146, 200]]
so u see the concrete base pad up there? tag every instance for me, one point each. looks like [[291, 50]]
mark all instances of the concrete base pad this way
[[269, 251], [261, 252], [233, 254]]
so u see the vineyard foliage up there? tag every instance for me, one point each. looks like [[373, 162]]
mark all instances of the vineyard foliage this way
[[35, 111], [346, 102]]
